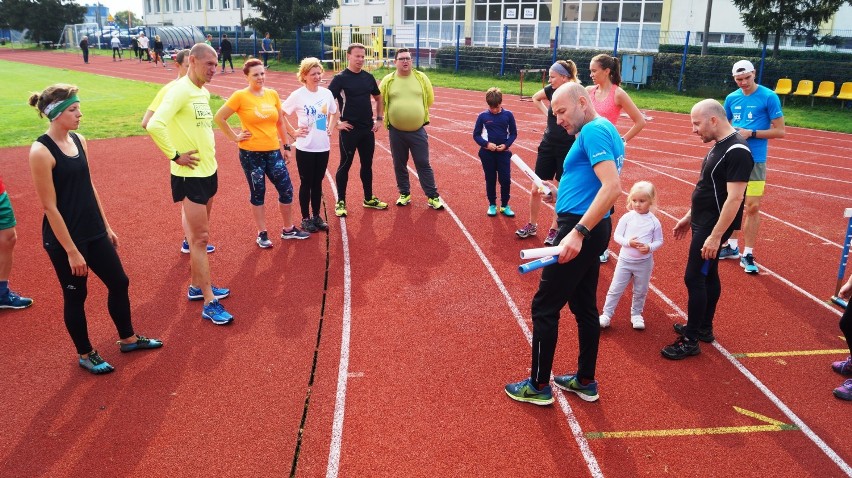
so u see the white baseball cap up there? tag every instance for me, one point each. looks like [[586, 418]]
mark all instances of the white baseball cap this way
[[741, 67]]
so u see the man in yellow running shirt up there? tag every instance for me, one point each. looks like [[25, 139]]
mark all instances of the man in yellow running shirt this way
[[182, 127]]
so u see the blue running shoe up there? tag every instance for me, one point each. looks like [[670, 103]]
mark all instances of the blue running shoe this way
[[570, 383], [525, 392], [215, 313], [141, 343], [726, 252], [492, 210], [747, 263], [507, 211], [95, 364], [13, 301], [185, 248], [194, 293]]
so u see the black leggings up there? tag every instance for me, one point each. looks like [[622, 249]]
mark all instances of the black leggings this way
[[311, 167], [702, 284], [362, 140], [102, 259]]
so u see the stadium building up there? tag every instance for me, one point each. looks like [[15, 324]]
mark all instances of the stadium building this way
[[641, 24]]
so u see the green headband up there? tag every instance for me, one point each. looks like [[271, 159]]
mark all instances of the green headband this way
[[56, 108]]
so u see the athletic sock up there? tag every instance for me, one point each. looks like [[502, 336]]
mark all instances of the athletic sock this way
[[585, 381], [732, 243], [747, 251], [4, 288]]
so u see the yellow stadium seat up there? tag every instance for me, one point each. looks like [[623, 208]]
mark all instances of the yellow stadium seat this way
[[845, 93], [783, 88], [825, 90], [804, 88]]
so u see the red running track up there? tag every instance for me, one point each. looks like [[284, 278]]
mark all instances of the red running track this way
[[418, 318]]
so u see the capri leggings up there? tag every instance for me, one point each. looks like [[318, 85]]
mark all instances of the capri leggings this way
[[257, 165], [102, 259], [312, 166]]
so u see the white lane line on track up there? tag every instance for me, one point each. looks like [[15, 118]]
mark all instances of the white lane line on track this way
[[573, 423], [333, 467], [751, 377], [832, 455]]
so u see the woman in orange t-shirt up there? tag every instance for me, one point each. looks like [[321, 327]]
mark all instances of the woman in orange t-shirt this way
[[260, 140]]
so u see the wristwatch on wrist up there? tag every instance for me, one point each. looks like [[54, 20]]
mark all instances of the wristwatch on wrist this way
[[583, 230], [287, 147], [177, 156], [379, 118], [754, 133]]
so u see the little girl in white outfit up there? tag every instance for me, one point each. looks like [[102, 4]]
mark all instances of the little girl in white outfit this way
[[640, 234]]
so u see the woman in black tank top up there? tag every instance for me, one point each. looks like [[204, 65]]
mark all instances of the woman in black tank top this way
[[75, 231]]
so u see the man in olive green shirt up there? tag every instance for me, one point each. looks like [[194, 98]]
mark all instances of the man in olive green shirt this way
[[407, 95]]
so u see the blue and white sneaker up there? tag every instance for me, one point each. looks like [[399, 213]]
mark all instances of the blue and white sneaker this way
[[214, 312], [525, 391], [13, 301], [727, 252], [571, 383], [95, 364], [184, 248], [195, 293], [747, 263]]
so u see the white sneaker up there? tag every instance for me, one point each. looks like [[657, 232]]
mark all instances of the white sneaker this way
[[638, 322], [604, 257], [605, 321]]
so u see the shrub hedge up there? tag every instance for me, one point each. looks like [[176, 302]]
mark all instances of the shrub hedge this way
[[710, 74]]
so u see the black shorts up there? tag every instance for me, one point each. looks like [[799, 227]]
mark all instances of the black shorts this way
[[197, 190], [551, 157]]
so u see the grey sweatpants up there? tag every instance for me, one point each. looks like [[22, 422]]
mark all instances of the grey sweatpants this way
[[640, 272], [417, 143]]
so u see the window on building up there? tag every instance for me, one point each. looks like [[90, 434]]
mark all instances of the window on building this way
[[156, 6], [570, 12], [377, 20], [188, 5], [177, 5], [589, 12], [375, 2], [211, 4], [199, 5], [653, 13], [735, 38], [148, 6], [226, 4], [350, 2], [609, 11], [167, 7], [631, 12]]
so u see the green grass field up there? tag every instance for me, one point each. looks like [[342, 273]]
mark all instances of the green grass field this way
[[113, 108]]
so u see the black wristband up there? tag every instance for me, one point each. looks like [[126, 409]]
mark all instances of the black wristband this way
[[287, 147], [754, 133], [583, 230], [177, 156]]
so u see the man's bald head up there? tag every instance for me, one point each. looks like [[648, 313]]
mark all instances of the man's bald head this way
[[572, 107], [200, 50]]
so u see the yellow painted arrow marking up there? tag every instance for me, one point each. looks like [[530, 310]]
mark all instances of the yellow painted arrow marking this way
[[791, 353], [772, 425]]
